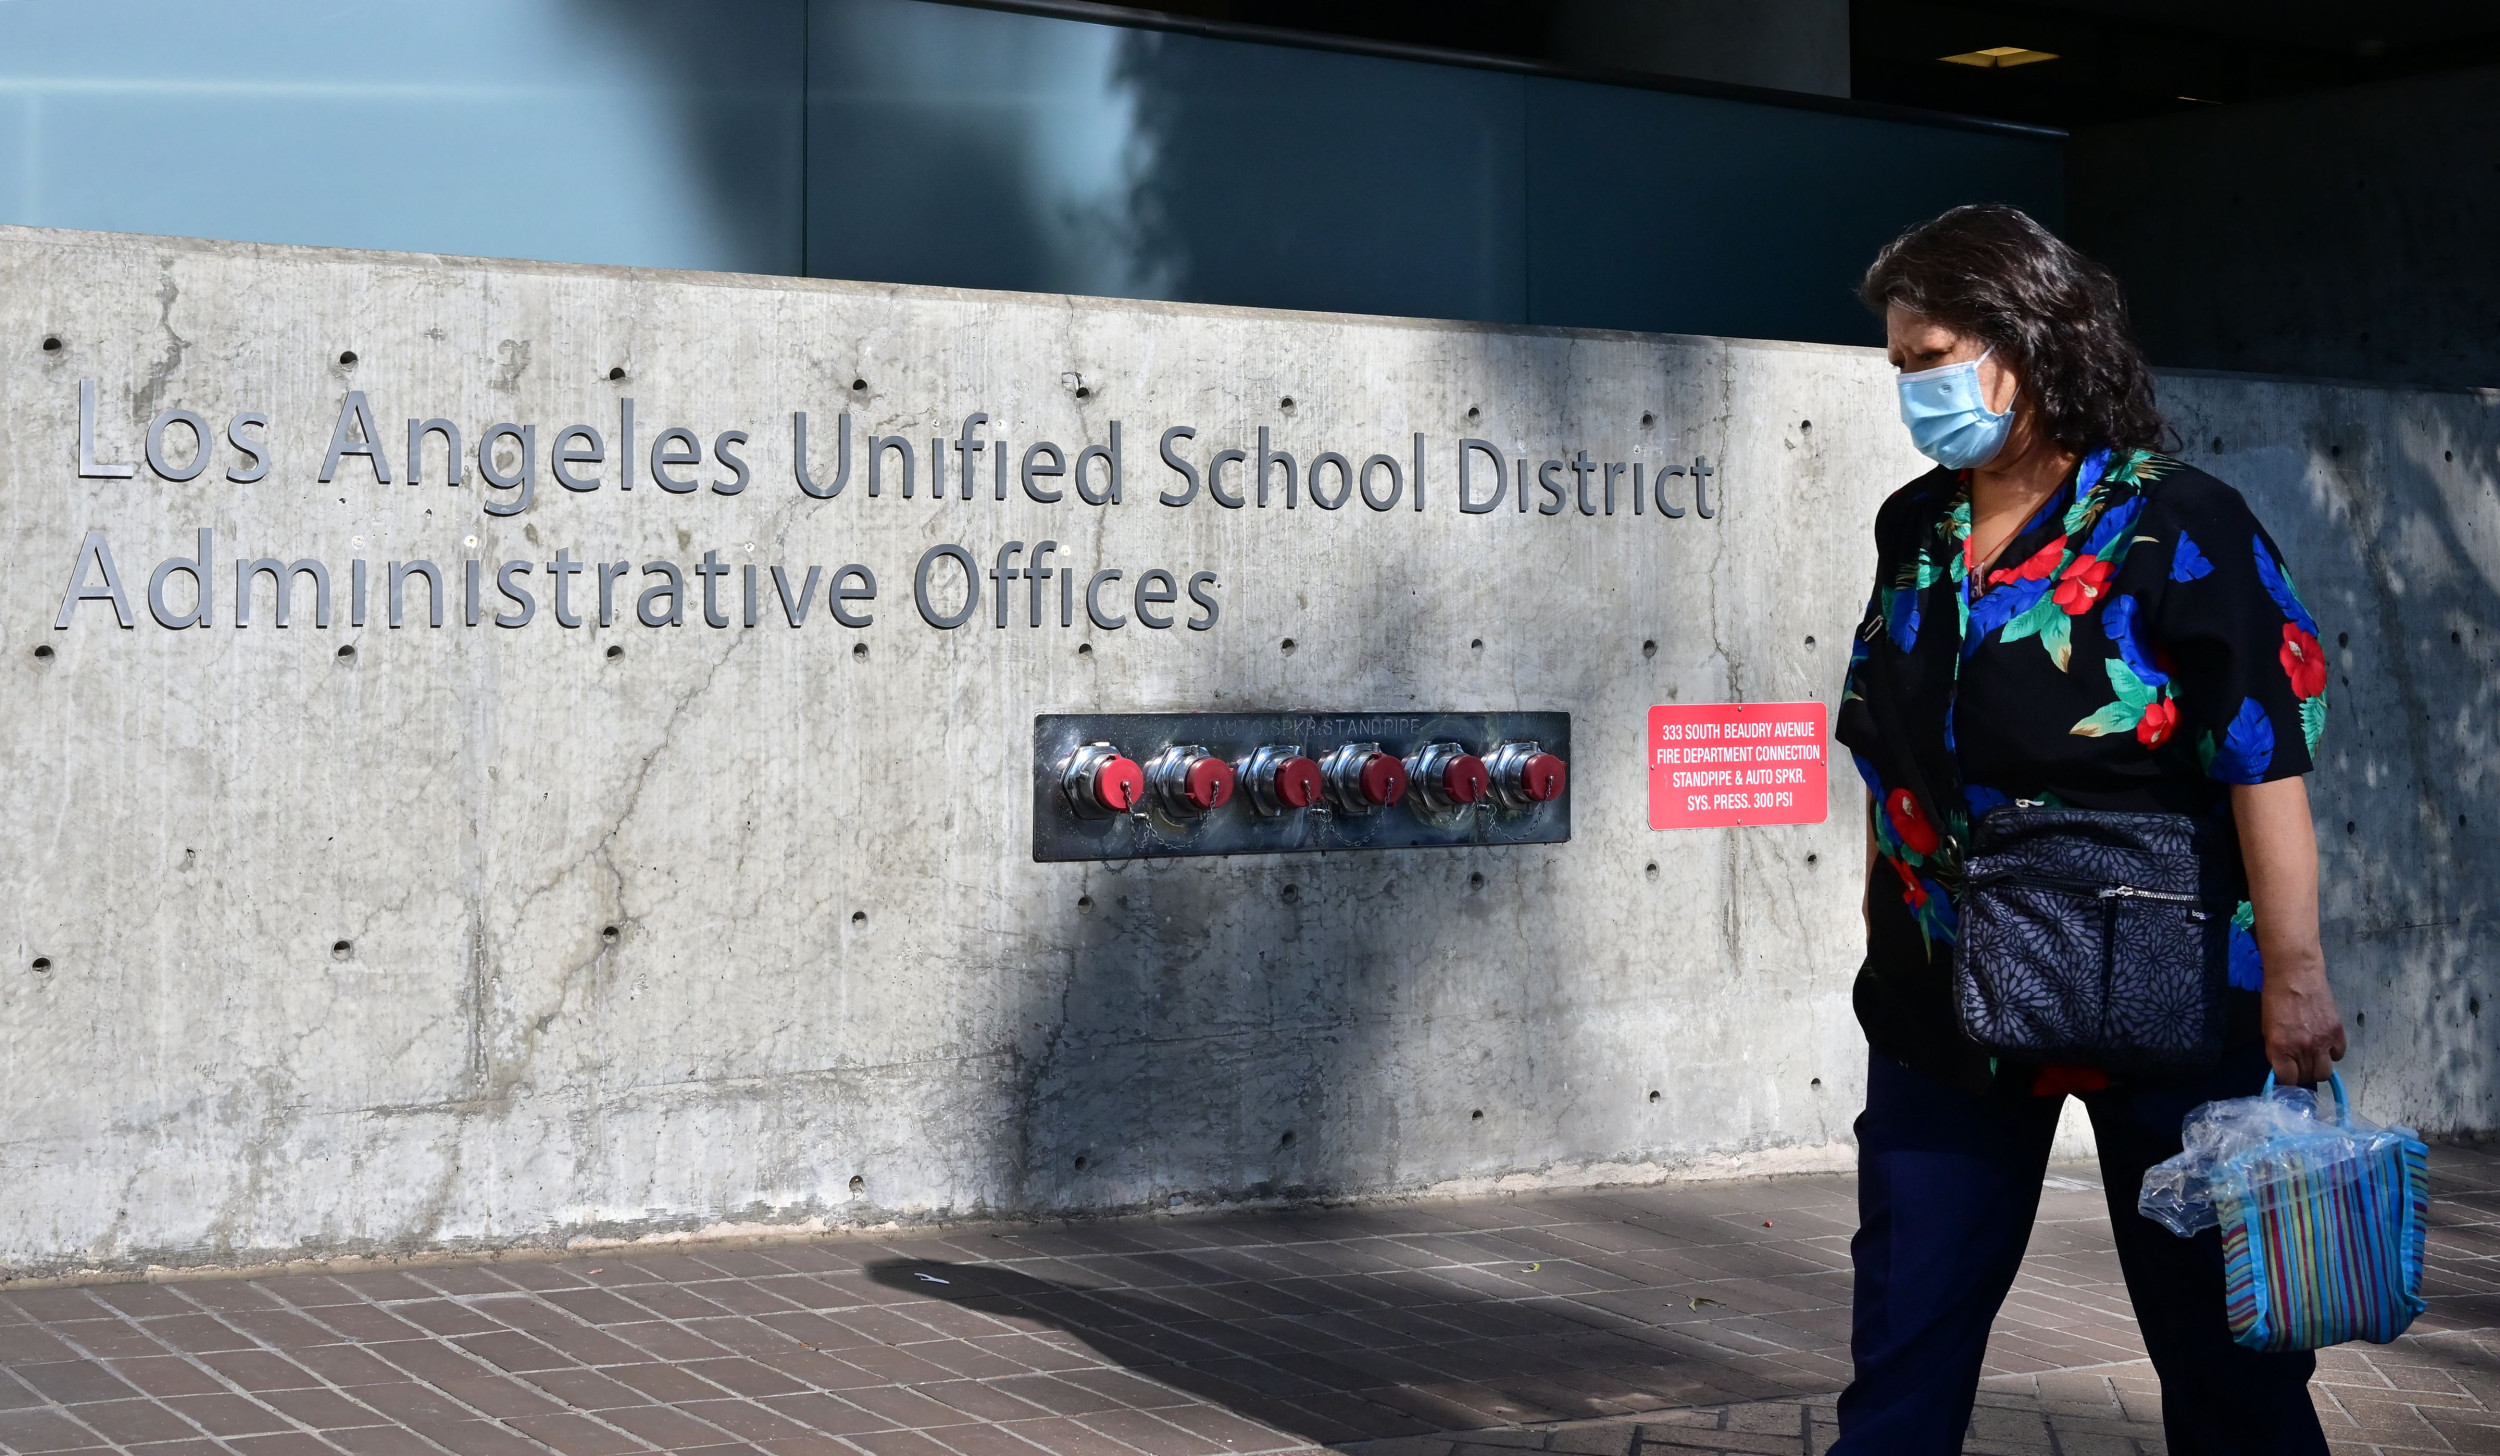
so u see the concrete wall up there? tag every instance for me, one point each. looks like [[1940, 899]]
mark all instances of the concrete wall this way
[[485, 936], [2345, 234]]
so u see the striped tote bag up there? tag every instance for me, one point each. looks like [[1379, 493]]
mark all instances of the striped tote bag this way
[[2322, 1236]]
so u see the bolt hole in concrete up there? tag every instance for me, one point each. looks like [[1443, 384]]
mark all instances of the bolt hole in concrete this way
[[2448, 455], [1476, 880], [1817, 1082], [342, 949], [616, 373], [860, 650], [1809, 642], [43, 651], [1085, 649], [2335, 451], [2474, 1007], [2351, 828], [52, 343], [2343, 639], [1287, 1140], [1084, 902], [1475, 644], [610, 934], [1473, 412], [859, 917], [1805, 427], [1080, 1162], [1292, 893], [1653, 1096], [859, 386], [616, 652], [1476, 1116], [1651, 869], [859, 1185], [2456, 637], [1648, 419], [42, 964], [2361, 1018], [1811, 858], [1650, 648], [1286, 403], [347, 357], [1084, 393], [1286, 647], [2217, 444]]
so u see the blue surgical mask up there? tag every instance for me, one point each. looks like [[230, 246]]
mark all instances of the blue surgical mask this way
[[1949, 418]]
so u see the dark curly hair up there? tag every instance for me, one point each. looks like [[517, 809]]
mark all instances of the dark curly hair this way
[[2058, 317]]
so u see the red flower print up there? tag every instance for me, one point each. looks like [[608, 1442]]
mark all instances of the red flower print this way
[[2303, 662], [1909, 823], [2157, 724], [2080, 586], [1913, 894], [2041, 565]]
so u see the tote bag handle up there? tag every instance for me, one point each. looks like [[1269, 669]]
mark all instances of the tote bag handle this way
[[2343, 1104]]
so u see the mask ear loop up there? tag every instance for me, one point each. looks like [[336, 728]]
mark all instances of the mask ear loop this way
[[1983, 394]]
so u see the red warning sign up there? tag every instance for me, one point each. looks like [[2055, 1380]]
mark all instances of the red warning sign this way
[[1721, 765]]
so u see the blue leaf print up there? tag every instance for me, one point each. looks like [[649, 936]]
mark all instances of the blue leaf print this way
[[2247, 748], [2118, 623], [2248, 969], [1999, 607], [1938, 916], [1901, 620], [2187, 563], [1982, 798], [2113, 526], [2279, 587]]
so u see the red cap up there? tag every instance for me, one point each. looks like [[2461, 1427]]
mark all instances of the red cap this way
[[1297, 783], [1464, 780], [1541, 778], [1208, 784], [1118, 784], [1382, 780]]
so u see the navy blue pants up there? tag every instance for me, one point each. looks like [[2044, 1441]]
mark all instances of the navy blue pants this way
[[1948, 1184]]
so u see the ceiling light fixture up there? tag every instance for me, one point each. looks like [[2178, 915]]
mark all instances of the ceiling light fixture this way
[[1997, 58]]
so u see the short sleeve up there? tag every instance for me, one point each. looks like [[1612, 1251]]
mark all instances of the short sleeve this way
[[2238, 646]]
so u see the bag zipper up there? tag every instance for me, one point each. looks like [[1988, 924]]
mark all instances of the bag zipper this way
[[2130, 892], [2087, 887]]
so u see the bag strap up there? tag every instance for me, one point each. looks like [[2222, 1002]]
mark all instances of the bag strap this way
[[2343, 1104]]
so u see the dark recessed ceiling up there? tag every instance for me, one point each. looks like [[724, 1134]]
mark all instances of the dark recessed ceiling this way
[[2114, 59], [2117, 59]]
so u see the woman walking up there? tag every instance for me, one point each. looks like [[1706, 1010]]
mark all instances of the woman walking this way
[[2062, 616]]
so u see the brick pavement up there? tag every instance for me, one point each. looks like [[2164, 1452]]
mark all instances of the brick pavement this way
[[1697, 1317]]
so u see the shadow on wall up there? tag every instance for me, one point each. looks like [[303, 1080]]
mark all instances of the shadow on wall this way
[[2384, 503]]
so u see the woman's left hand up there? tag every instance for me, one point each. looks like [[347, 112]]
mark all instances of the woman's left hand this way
[[2304, 1031]]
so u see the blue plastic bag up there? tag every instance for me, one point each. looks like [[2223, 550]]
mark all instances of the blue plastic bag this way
[[2321, 1221]]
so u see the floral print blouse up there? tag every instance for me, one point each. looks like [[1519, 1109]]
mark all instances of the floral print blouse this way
[[2137, 645]]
